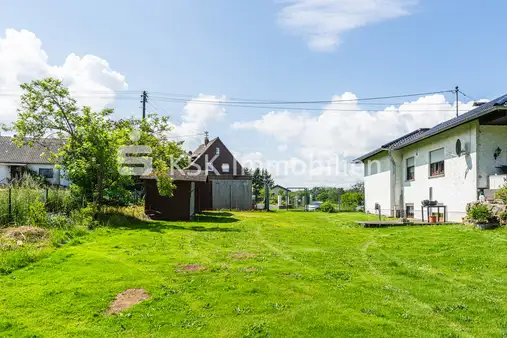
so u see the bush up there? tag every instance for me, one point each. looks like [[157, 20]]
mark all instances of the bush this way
[[501, 194], [327, 206], [480, 213], [37, 215], [503, 217]]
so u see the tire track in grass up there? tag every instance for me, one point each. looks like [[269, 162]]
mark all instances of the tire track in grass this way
[[453, 325]]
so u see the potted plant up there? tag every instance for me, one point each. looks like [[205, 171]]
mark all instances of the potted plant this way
[[481, 216]]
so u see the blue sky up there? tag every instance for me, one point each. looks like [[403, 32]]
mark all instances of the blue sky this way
[[244, 49]]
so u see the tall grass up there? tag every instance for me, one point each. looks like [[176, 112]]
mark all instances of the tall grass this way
[[30, 202]]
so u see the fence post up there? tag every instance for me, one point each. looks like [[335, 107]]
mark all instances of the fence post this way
[[10, 205], [47, 195]]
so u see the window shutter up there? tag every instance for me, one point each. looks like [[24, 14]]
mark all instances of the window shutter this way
[[410, 162], [437, 156]]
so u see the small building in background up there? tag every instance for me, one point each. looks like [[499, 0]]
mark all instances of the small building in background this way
[[277, 188], [228, 187], [16, 162]]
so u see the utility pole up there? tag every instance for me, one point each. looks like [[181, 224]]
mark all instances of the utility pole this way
[[144, 97], [457, 101]]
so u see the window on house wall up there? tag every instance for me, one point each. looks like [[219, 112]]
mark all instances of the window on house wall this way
[[47, 173], [218, 151], [225, 167], [437, 160], [410, 169], [409, 211], [373, 167]]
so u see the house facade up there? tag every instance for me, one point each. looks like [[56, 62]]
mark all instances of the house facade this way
[[452, 163], [15, 161], [228, 187]]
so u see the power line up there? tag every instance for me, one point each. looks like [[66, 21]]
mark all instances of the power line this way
[[233, 104], [465, 95], [273, 102]]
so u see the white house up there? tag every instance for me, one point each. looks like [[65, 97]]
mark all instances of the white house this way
[[426, 165], [15, 161]]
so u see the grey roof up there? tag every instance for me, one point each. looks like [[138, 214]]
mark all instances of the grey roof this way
[[11, 153], [393, 144], [457, 121], [422, 134]]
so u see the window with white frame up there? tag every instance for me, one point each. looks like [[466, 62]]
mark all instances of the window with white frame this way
[[218, 151], [410, 169], [225, 167], [437, 161]]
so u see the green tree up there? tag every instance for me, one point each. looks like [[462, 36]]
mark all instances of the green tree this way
[[351, 199], [89, 155]]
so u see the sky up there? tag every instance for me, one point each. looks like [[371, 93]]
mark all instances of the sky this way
[[196, 58]]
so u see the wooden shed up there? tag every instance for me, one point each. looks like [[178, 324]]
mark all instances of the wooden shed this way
[[184, 203]]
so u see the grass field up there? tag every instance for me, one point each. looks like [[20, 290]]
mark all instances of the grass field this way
[[260, 275]]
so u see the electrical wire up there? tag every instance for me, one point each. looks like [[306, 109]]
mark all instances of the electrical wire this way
[[233, 104], [273, 102]]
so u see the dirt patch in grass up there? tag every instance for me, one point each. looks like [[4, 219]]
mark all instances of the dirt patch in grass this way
[[242, 256], [126, 300], [26, 234], [182, 268]]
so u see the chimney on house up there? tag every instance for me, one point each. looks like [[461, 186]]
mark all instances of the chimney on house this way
[[206, 139]]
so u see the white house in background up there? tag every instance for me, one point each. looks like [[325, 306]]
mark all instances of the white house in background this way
[[277, 188], [425, 165], [15, 161]]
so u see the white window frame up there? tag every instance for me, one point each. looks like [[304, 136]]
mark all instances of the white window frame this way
[[436, 162]]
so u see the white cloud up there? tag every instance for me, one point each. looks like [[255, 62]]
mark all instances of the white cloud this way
[[283, 148], [326, 142], [345, 129], [322, 22], [22, 59], [197, 116]]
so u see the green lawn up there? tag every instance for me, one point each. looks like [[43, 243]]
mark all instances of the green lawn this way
[[276, 274]]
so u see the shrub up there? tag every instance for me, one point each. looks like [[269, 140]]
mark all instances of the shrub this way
[[480, 213], [501, 194], [328, 206], [37, 215], [503, 217]]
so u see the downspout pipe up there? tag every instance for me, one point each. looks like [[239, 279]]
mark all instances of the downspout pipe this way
[[393, 186]]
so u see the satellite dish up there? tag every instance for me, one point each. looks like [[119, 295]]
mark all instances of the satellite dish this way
[[458, 148]]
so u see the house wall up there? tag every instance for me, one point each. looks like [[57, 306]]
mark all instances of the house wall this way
[[4, 174], [459, 185], [377, 184], [489, 138], [224, 157], [58, 174]]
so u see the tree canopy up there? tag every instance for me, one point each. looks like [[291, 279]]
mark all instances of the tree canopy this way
[[91, 152]]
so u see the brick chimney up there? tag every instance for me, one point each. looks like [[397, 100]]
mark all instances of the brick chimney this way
[[206, 139]]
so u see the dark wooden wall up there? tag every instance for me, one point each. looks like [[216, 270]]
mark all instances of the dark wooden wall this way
[[175, 208]]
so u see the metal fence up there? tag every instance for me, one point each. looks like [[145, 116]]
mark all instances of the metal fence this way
[[17, 204]]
